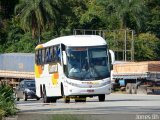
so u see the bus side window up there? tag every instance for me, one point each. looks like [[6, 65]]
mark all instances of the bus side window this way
[[58, 54], [43, 56], [48, 55], [55, 54], [39, 61], [51, 53]]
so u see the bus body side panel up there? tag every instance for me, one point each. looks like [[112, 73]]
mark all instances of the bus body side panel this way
[[48, 81], [53, 84]]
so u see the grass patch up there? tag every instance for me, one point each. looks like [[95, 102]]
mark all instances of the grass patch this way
[[67, 117]]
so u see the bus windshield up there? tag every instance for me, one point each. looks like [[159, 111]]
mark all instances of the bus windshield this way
[[87, 63]]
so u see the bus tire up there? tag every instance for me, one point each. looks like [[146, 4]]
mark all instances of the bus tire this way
[[37, 98], [129, 88], [41, 91], [45, 98], [24, 96], [101, 98], [66, 98], [53, 100]]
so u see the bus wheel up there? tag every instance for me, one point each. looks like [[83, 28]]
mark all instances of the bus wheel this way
[[66, 99], [45, 98], [101, 98], [24, 97], [41, 92], [53, 100], [37, 98]]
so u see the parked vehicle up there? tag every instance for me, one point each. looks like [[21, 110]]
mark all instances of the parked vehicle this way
[[26, 90], [15, 67], [137, 77]]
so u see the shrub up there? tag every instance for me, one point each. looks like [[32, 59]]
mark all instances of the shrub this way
[[7, 104], [2, 113]]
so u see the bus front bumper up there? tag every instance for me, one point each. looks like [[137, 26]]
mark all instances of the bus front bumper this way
[[75, 91]]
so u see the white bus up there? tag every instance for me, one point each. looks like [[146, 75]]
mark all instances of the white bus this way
[[75, 66]]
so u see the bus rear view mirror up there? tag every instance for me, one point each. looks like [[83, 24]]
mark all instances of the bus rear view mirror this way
[[111, 59], [64, 58], [112, 56]]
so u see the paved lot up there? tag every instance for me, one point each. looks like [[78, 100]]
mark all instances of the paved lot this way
[[116, 105]]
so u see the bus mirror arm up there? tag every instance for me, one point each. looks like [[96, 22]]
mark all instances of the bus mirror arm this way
[[64, 58]]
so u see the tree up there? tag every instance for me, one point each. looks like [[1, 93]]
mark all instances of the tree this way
[[147, 47], [127, 11], [7, 8], [90, 17], [35, 14], [153, 21], [71, 14]]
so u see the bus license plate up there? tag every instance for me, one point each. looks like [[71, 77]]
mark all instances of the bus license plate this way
[[90, 90]]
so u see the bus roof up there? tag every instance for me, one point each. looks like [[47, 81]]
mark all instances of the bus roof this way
[[75, 40]]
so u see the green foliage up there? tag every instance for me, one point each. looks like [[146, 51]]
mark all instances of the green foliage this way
[[65, 117], [25, 44], [48, 35], [17, 37], [115, 39], [7, 105], [153, 21], [2, 113], [70, 15], [90, 18], [3, 32], [7, 8], [35, 14], [147, 47], [125, 12]]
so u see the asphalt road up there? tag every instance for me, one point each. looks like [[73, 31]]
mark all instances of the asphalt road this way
[[116, 106]]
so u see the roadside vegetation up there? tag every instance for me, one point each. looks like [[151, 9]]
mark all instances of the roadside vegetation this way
[[7, 101]]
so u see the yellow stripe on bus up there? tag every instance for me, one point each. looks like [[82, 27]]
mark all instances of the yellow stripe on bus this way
[[38, 71], [55, 77]]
